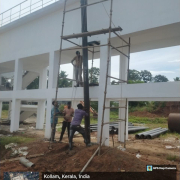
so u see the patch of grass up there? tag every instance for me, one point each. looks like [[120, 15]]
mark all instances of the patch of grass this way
[[172, 157], [4, 114], [170, 134], [14, 139], [145, 120]]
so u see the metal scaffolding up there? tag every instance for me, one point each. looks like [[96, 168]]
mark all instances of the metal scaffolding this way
[[110, 46]]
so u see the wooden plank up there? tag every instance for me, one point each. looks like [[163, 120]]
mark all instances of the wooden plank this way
[[92, 33]]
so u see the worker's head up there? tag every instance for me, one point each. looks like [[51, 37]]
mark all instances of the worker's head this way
[[55, 103], [77, 53], [69, 105], [80, 106]]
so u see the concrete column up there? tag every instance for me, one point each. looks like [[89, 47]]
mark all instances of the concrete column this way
[[10, 110], [0, 79], [123, 75], [75, 103], [102, 79], [43, 79], [1, 109], [53, 69], [48, 118], [122, 123], [14, 126], [18, 72], [123, 67], [40, 114], [74, 82]]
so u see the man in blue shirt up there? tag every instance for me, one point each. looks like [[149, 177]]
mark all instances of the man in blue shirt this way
[[75, 124], [54, 118]]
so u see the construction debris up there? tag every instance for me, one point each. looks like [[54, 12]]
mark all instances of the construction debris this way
[[25, 162]]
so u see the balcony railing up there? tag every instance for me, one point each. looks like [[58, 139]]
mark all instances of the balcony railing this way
[[23, 9]]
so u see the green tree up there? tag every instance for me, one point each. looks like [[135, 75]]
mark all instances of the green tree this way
[[34, 84], [160, 78], [94, 75], [62, 81], [134, 75], [146, 76], [177, 79]]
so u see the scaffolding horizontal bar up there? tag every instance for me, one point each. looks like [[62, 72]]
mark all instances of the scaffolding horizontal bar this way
[[115, 107], [118, 120], [92, 33], [119, 51], [85, 47], [121, 46], [86, 6], [116, 78], [121, 38]]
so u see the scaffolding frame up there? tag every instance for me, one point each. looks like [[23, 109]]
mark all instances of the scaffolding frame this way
[[99, 32]]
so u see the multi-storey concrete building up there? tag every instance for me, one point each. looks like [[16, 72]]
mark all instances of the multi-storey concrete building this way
[[31, 43]]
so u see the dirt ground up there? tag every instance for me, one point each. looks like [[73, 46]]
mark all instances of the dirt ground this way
[[112, 159]]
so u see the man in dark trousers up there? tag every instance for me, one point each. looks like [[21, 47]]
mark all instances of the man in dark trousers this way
[[54, 118], [75, 124], [77, 63], [68, 113]]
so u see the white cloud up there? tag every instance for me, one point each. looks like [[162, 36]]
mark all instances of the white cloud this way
[[174, 61]]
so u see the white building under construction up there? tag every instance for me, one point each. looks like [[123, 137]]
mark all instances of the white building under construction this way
[[31, 44]]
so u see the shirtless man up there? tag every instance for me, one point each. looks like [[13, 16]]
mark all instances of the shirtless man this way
[[68, 114], [77, 63]]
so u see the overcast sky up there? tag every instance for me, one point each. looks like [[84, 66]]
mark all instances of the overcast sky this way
[[164, 61]]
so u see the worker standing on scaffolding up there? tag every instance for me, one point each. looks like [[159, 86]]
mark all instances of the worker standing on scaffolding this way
[[54, 118], [75, 124], [77, 63], [68, 113]]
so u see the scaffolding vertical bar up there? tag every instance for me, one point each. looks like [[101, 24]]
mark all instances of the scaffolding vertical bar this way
[[60, 52], [107, 70], [85, 68]]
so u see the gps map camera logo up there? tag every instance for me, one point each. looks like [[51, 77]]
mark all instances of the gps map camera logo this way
[[149, 168]]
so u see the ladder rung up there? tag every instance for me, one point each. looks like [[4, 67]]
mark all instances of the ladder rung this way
[[114, 107], [118, 120]]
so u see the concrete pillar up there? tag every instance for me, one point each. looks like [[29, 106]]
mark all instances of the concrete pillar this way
[[122, 123], [1, 109], [123, 67], [48, 118], [74, 82], [40, 114], [123, 75], [75, 103], [53, 69], [10, 110], [0, 79], [18, 72], [14, 126], [43, 79], [102, 79]]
